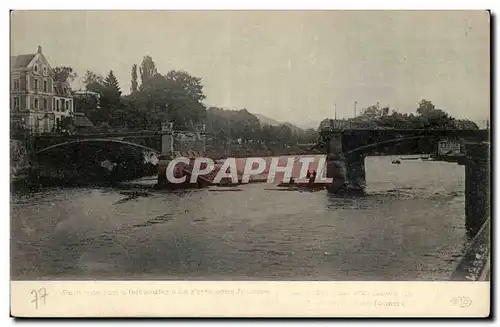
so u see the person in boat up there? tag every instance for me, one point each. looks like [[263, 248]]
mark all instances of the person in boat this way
[[308, 175]]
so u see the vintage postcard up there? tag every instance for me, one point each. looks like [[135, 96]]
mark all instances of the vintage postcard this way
[[210, 163]]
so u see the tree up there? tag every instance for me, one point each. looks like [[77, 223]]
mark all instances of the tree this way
[[147, 69], [425, 107], [373, 112], [110, 111], [112, 85], [133, 87], [428, 117], [93, 82], [64, 74], [465, 124], [234, 125], [190, 85], [175, 97], [185, 95], [433, 118]]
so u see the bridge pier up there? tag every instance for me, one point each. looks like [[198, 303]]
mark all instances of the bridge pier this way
[[477, 186], [348, 173], [356, 173], [167, 153]]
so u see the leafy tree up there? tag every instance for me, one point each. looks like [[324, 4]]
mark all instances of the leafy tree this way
[[64, 74], [433, 118], [428, 117], [373, 112], [147, 69], [133, 87], [190, 85], [425, 107], [109, 112], [466, 124], [93, 82], [232, 125], [175, 97]]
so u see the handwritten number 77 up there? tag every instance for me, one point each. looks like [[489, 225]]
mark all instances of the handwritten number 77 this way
[[39, 297]]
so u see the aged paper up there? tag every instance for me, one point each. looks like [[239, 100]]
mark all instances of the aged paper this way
[[250, 163]]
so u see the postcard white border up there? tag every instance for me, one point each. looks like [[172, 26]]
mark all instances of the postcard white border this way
[[249, 299]]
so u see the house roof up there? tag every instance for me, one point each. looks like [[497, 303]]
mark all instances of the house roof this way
[[59, 89], [21, 61]]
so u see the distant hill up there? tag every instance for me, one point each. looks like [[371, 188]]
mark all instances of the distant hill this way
[[307, 125], [266, 120], [294, 128]]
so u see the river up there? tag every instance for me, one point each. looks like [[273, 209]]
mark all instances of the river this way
[[410, 226]]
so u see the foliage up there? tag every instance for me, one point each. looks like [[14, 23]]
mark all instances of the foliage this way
[[64, 74], [147, 69], [427, 117], [111, 88], [230, 126], [133, 83], [175, 97]]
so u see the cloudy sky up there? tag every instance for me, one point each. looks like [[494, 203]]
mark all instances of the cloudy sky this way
[[290, 66]]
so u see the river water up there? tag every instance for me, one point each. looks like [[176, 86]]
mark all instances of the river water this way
[[410, 226]]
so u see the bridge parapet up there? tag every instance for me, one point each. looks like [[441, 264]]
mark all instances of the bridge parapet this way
[[475, 265]]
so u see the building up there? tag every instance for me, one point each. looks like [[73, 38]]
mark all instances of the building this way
[[38, 102]]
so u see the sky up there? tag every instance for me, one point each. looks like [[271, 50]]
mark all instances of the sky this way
[[293, 66]]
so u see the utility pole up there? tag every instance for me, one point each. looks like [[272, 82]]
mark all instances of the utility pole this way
[[335, 111], [355, 104]]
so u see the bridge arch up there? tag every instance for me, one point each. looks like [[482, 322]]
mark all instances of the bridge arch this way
[[92, 140]]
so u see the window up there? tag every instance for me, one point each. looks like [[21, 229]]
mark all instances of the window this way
[[16, 103], [57, 105], [36, 84], [44, 104], [53, 104], [36, 68], [62, 105], [67, 105], [16, 84], [36, 103], [44, 70], [45, 86]]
